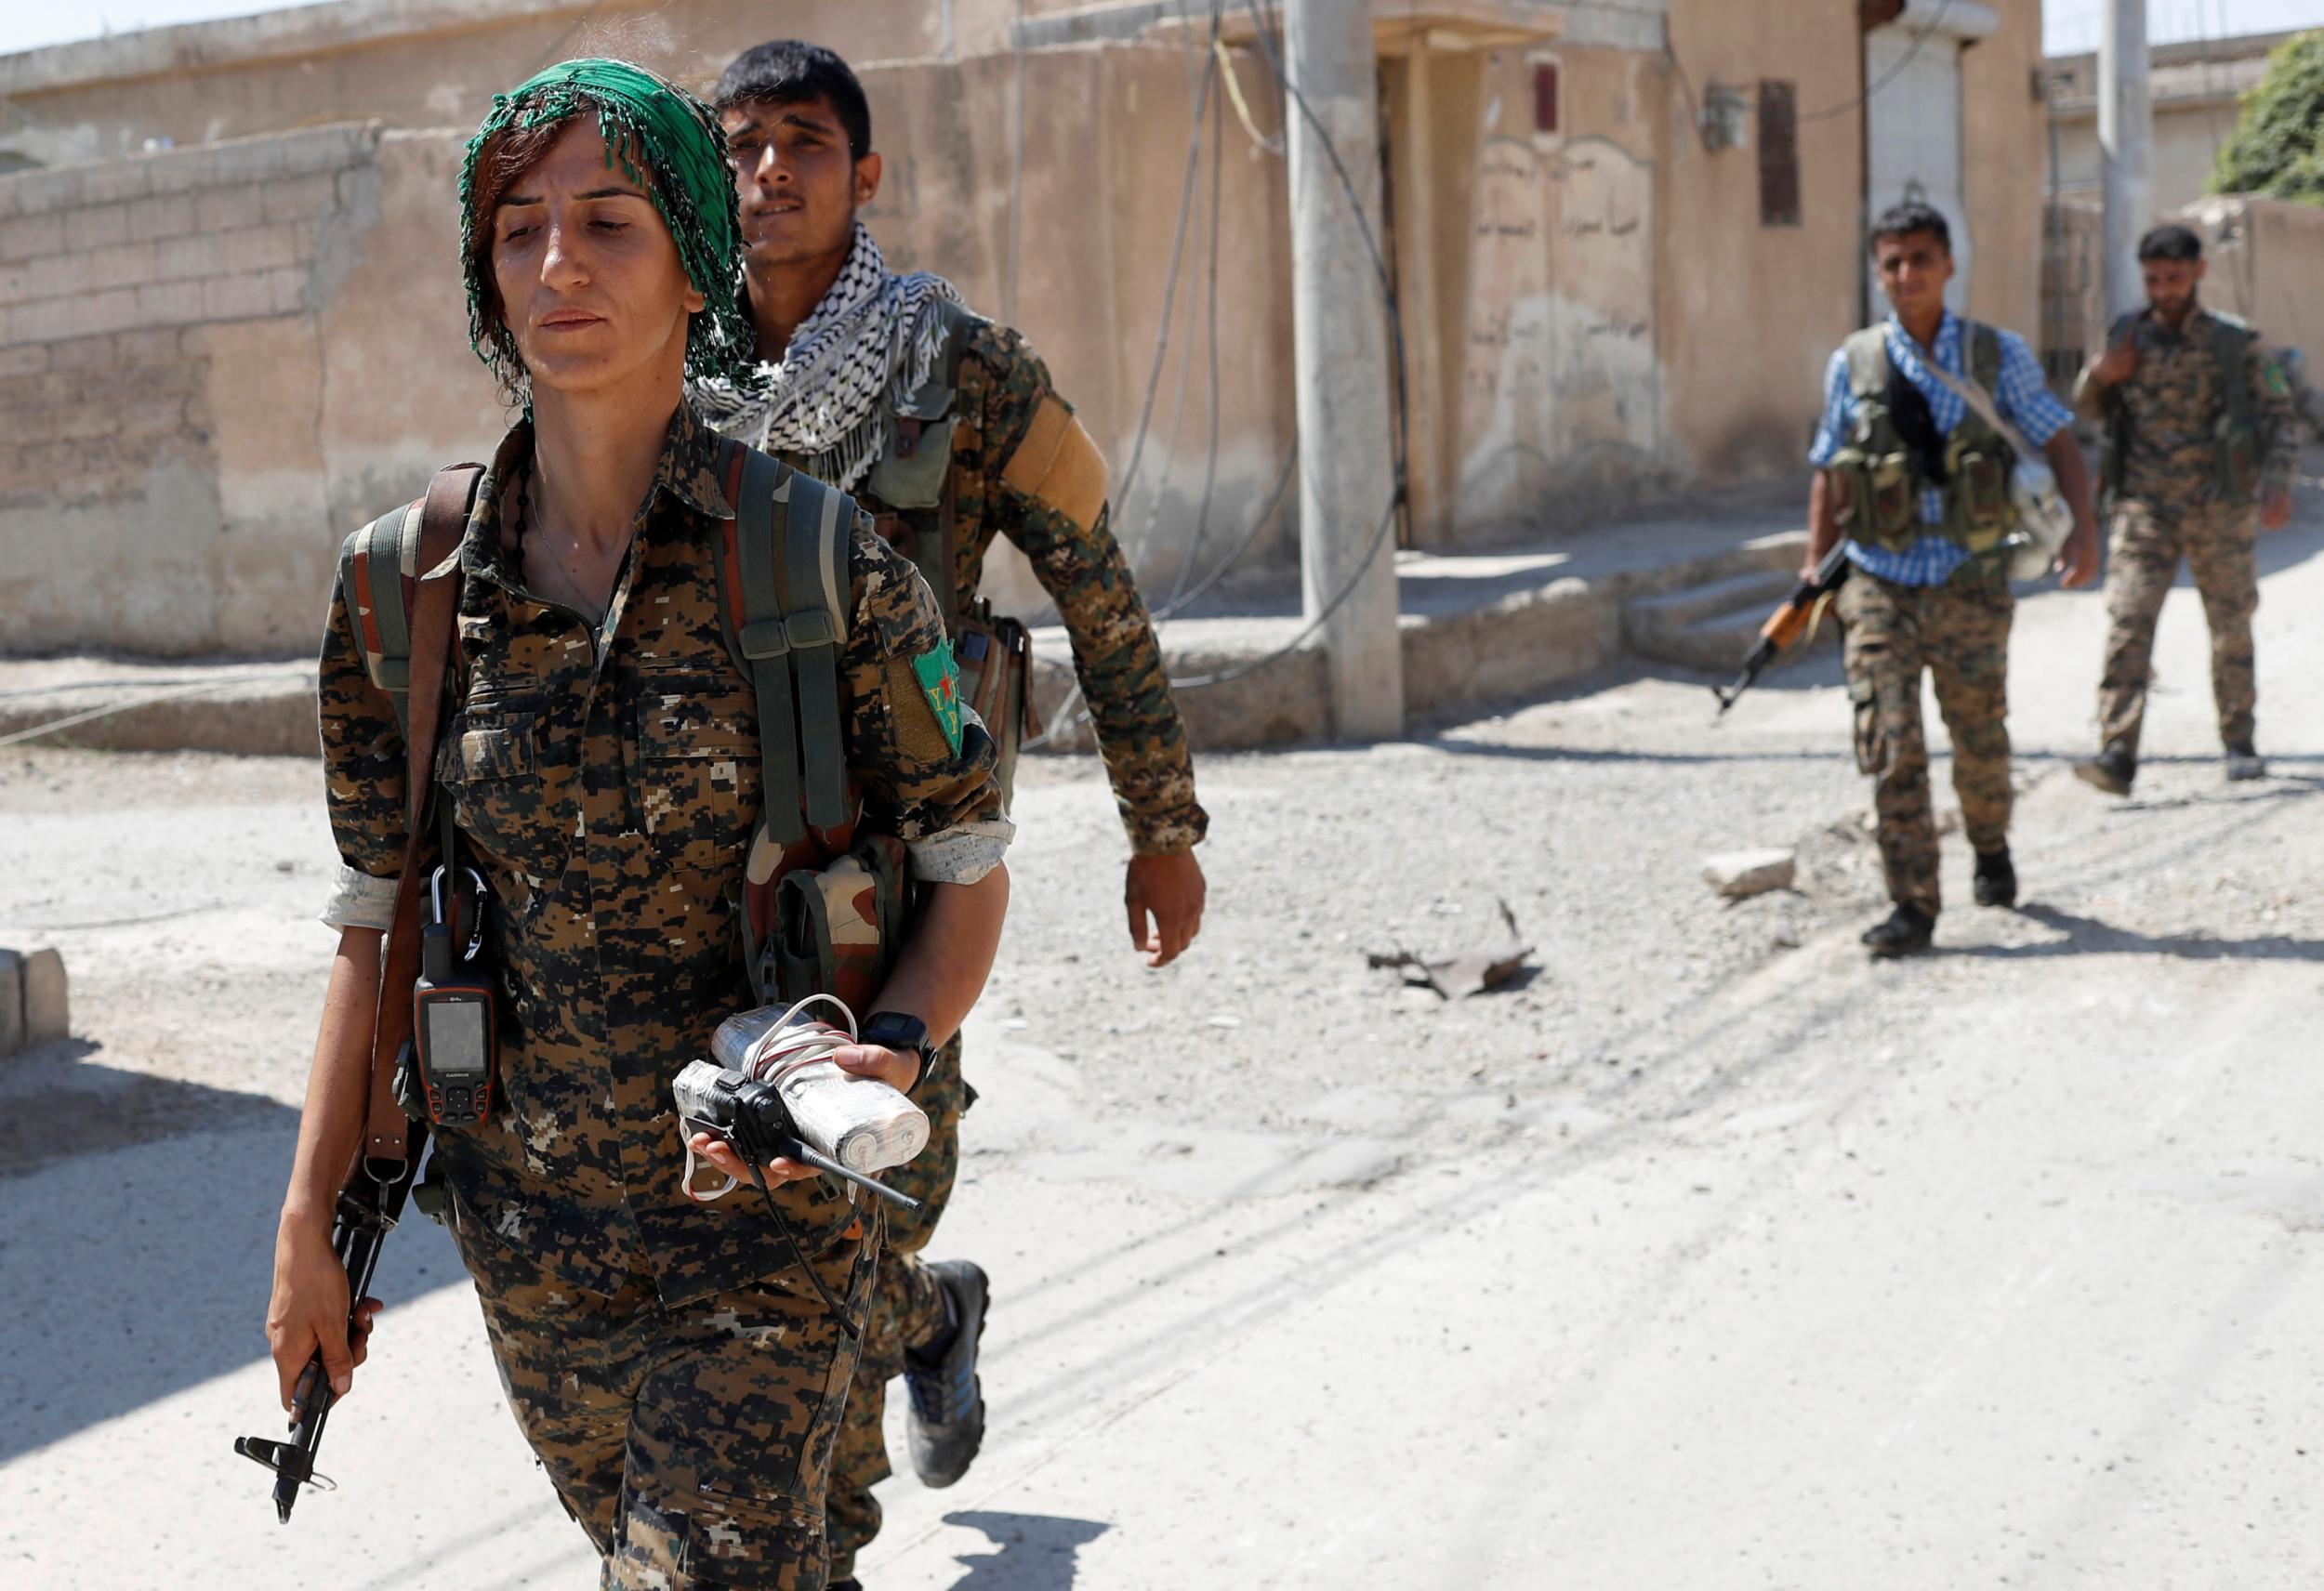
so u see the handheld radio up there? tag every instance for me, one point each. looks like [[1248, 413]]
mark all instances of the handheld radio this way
[[455, 1030]]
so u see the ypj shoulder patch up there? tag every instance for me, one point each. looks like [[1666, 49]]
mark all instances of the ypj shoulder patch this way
[[940, 682]]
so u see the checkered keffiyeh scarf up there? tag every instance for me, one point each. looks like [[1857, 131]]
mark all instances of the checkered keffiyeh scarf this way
[[875, 335]]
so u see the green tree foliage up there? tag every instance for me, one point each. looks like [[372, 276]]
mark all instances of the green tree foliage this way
[[2278, 145]]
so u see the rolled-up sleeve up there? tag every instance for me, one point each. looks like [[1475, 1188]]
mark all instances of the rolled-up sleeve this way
[[921, 755], [363, 773]]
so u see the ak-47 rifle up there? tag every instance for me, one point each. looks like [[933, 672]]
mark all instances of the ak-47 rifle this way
[[367, 1211], [1788, 623], [371, 1201]]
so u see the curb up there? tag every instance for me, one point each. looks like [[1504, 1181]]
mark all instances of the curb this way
[[1530, 639]]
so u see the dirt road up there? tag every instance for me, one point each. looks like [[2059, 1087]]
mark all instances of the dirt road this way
[[1713, 1256]]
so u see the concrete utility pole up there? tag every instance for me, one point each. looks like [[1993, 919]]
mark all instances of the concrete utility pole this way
[[1339, 342], [2126, 141]]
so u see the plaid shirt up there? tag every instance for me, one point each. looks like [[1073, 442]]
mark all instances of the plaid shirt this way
[[2022, 396]]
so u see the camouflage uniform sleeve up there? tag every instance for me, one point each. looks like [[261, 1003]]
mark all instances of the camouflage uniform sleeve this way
[[2277, 416], [363, 773], [923, 760], [1047, 494]]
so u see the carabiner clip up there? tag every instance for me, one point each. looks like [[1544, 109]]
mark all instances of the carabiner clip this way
[[435, 906]]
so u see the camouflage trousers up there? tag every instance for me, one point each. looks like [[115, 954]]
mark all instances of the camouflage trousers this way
[[1958, 632], [2143, 559], [691, 1443], [907, 1308]]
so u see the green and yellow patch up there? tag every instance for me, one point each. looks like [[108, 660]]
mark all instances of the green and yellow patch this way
[[940, 682]]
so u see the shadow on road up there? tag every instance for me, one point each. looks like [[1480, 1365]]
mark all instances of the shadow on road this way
[[1035, 1551], [2087, 936], [137, 1240]]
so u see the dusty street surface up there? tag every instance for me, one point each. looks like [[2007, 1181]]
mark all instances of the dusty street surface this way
[[1712, 1256]]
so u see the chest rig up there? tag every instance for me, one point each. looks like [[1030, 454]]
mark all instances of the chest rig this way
[[2236, 444], [1879, 481], [824, 902], [910, 494]]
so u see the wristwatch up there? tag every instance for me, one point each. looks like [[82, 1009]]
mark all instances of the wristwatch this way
[[893, 1030]]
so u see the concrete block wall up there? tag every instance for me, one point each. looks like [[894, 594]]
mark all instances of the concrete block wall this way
[[232, 231], [189, 416]]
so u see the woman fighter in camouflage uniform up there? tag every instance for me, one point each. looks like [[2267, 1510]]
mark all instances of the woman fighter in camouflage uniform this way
[[679, 1379]]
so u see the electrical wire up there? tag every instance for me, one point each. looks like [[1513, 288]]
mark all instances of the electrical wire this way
[[1887, 78], [1211, 463], [1398, 501]]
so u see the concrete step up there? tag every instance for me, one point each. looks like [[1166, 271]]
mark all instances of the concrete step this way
[[1710, 628]]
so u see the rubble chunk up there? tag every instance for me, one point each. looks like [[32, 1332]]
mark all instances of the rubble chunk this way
[[1736, 874]]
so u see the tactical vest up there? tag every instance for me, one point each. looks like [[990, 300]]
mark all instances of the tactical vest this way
[[909, 494], [1880, 483], [2238, 445], [823, 902]]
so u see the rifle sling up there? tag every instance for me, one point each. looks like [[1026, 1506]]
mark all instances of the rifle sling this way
[[444, 521]]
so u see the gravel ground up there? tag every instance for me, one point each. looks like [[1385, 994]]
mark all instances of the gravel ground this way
[[1710, 1254]]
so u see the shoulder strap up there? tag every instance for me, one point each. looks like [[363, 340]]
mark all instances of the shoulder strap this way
[[815, 559], [2231, 341], [1982, 404], [378, 568], [1868, 362], [785, 615], [438, 527], [1983, 345]]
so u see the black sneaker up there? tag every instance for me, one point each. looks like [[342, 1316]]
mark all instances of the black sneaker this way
[[946, 1421], [2111, 770], [2244, 763], [850, 1584], [1997, 878], [1908, 931]]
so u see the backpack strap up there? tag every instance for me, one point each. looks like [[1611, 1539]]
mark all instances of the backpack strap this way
[[2231, 341], [378, 567], [1985, 356], [814, 562], [785, 576], [438, 521]]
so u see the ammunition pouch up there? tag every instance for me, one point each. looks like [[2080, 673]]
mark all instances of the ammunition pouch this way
[[996, 658], [1878, 504], [839, 927], [1980, 511]]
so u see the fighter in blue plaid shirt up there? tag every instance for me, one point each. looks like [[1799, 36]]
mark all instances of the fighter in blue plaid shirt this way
[[1919, 483]]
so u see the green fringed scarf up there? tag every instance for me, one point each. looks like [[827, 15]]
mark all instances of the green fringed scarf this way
[[684, 151]]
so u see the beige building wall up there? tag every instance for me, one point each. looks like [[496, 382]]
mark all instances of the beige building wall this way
[[1594, 308], [1751, 312], [218, 362], [2003, 125], [2197, 88]]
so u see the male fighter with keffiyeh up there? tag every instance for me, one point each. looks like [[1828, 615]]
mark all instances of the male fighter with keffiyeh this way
[[946, 428]]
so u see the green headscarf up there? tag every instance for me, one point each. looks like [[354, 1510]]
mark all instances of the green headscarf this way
[[686, 175]]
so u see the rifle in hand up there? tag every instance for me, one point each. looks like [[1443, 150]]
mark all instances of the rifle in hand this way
[[1788, 625], [367, 1211]]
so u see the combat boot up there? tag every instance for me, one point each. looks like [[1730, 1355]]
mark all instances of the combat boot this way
[[946, 1423], [2244, 763], [1909, 929], [2111, 770], [1996, 882]]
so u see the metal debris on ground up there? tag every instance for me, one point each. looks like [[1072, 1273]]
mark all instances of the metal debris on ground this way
[[1464, 973]]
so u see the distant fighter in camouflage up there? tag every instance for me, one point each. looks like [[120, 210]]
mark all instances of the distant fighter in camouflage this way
[[1917, 482], [2202, 439], [678, 1368], [946, 426]]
